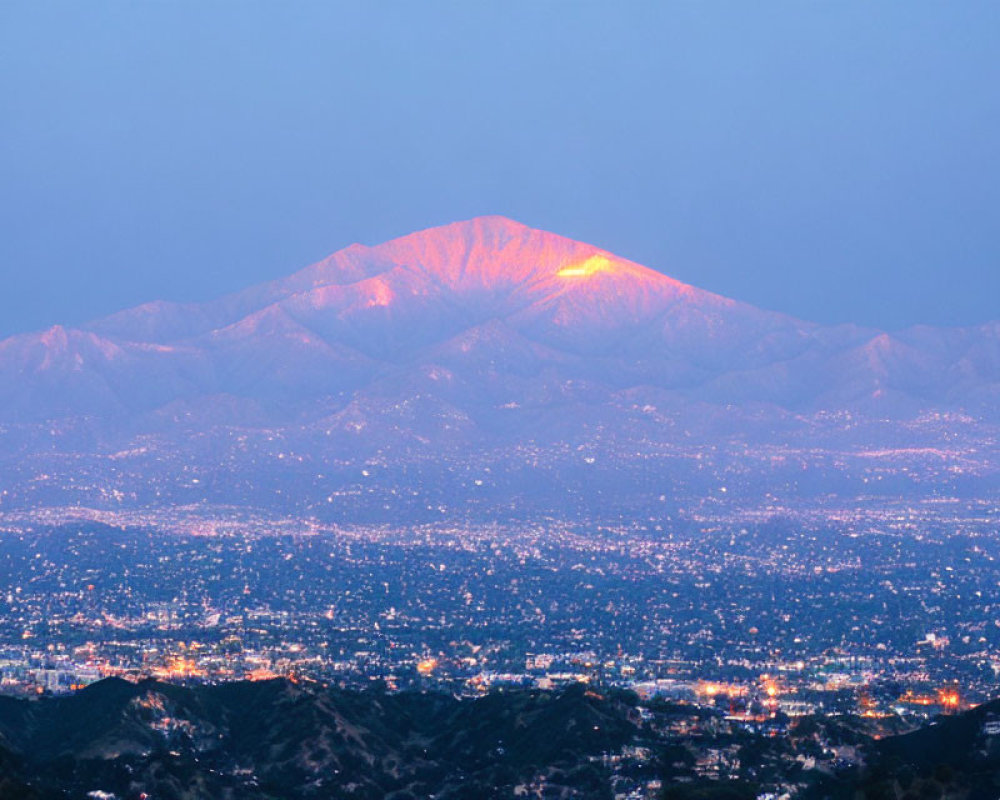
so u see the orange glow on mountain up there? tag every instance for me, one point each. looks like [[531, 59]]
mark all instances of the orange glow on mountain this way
[[587, 267]]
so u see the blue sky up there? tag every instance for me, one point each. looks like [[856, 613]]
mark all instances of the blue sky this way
[[836, 161]]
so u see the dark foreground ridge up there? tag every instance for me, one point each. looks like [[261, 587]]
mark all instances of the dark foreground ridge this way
[[285, 739], [955, 757], [281, 739]]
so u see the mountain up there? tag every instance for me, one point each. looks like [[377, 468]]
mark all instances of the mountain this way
[[282, 739], [954, 756], [478, 336]]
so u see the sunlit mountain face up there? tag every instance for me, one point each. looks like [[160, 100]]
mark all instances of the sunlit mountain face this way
[[487, 340], [390, 301]]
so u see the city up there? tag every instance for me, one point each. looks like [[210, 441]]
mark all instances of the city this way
[[499, 401], [745, 640], [863, 614]]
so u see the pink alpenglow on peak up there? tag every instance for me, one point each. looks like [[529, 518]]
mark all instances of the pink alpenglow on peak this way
[[514, 316]]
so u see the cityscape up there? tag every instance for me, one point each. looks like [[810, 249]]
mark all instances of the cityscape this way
[[499, 401], [877, 613], [735, 633]]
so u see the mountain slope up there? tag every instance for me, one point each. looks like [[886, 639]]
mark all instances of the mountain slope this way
[[279, 739], [484, 293], [483, 336]]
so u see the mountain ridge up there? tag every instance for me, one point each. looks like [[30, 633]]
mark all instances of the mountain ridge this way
[[454, 256], [363, 307], [483, 336]]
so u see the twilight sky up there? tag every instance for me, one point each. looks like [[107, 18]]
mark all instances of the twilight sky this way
[[835, 161]]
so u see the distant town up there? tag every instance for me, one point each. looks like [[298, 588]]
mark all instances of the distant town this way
[[888, 611]]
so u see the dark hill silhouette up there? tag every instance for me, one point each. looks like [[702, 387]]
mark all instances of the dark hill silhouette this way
[[282, 739]]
